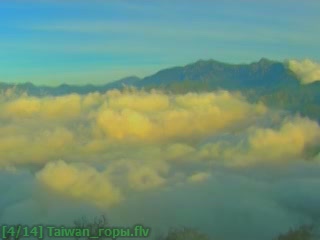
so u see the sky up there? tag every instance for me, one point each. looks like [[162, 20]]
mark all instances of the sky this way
[[53, 41]]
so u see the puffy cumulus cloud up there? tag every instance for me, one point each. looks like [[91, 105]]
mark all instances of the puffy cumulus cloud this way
[[107, 187], [125, 124], [289, 142], [22, 107], [132, 150], [62, 108], [156, 117], [307, 70], [141, 141], [82, 183], [22, 146], [214, 153], [101, 126]]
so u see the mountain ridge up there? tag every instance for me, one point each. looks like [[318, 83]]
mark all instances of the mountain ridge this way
[[267, 81], [130, 79]]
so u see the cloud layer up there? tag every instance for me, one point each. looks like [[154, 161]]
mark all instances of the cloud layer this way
[[141, 136], [133, 148]]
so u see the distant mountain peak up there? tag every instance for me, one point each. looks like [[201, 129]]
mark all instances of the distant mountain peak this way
[[264, 80], [266, 61], [129, 79], [207, 61]]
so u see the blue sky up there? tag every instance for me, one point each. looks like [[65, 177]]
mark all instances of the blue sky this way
[[55, 41]]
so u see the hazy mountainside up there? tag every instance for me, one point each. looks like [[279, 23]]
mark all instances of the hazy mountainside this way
[[210, 75], [267, 81], [64, 89]]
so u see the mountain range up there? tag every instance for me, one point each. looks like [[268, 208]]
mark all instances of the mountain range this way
[[270, 82]]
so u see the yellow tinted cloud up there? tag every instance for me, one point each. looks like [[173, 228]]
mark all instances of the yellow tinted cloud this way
[[199, 177], [22, 146], [83, 183], [161, 117], [135, 136], [23, 107], [289, 142], [307, 70], [64, 107]]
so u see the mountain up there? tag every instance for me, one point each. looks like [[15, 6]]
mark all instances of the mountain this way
[[199, 76], [64, 89], [268, 81], [211, 75]]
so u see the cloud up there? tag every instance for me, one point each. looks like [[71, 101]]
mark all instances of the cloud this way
[[157, 117], [64, 107], [145, 178], [139, 175], [23, 146], [307, 70], [82, 183], [178, 152], [215, 155], [290, 141], [134, 142], [71, 126], [199, 177]]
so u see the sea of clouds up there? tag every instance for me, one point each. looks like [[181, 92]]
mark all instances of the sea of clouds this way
[[214, 161]]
